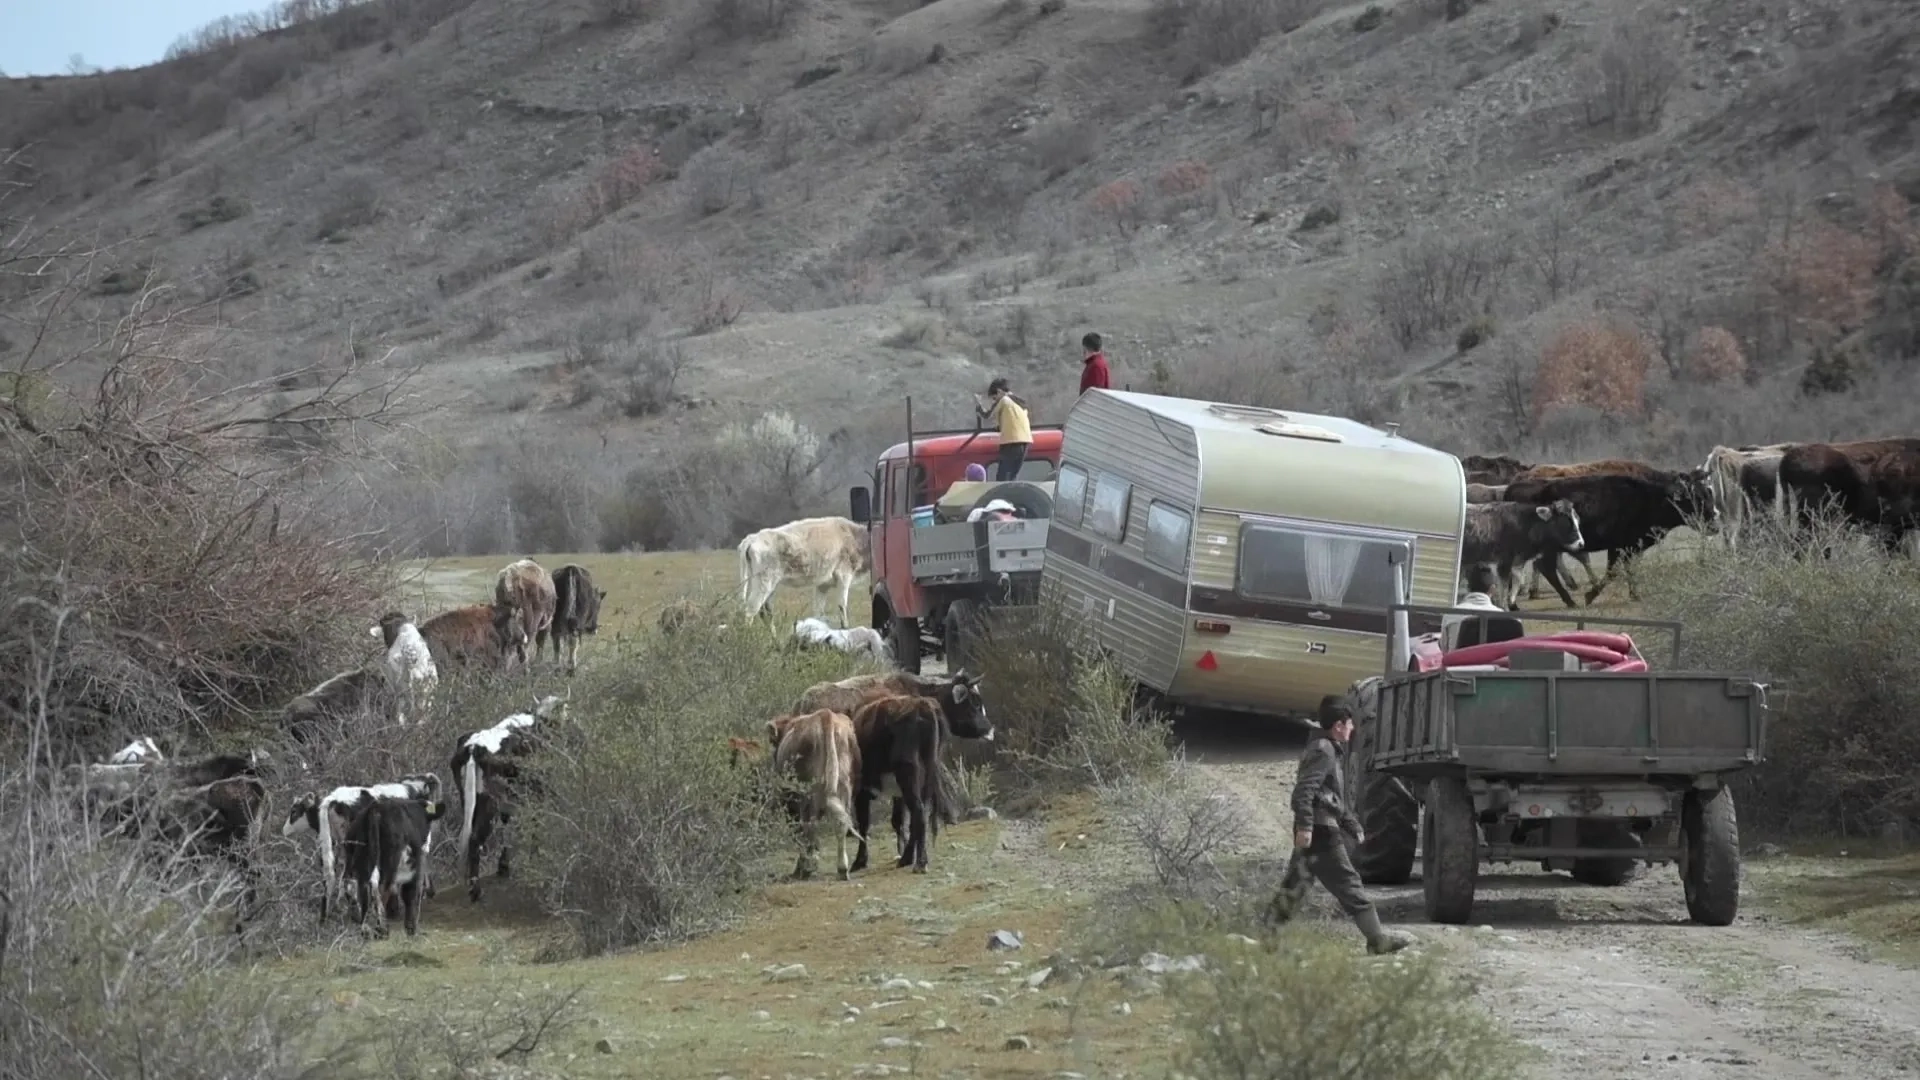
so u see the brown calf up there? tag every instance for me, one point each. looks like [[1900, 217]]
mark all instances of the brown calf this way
[[957, 695], [478, 635], [820, 751]]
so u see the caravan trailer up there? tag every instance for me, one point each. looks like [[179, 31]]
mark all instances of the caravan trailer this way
[[1243, 558]]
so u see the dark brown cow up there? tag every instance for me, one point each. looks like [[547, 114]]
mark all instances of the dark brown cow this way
[[1813, 475], [576, 611], [898, 736], [1492, 469], [525, 586], [1603, 467], [958, 696], [477, 635], [387, 838], [1620, 514]]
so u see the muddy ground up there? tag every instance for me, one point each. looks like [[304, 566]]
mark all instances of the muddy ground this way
[[1616, 982]]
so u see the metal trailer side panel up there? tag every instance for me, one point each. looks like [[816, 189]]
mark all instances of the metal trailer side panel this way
[[1121, 443], [1587, 723]]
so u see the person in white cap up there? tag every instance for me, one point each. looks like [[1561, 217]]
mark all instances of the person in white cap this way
[[994, 510]]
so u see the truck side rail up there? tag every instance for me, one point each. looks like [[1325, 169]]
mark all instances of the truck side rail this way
[[1579, 621]]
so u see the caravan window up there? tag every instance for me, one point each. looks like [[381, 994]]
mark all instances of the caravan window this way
[[1311, 566], [1168, 531], [1069, 495], [1111, 497]]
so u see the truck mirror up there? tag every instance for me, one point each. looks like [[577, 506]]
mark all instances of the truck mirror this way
[[859, 505]]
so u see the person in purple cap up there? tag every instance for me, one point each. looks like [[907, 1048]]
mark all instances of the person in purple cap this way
[[976, 471]]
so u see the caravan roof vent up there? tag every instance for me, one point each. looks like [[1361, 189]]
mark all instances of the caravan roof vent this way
[[1243, 412], [1298, 431]]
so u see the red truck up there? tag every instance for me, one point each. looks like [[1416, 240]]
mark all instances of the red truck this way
[[934, 572]]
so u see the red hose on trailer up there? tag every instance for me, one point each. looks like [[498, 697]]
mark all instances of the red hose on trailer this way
[[1494, 651]]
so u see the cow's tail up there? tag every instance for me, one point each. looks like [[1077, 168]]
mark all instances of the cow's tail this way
[[327, 866], [469, 795], [938, 800], [836, 805]]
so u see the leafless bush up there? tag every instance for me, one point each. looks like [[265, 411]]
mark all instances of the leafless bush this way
[[746, 475], [1180, 825], [715, 178], [1057, 147], [1241, 372], [353, 201], [1436, 282], [1212, 34], [1632, 75], [647, 386], [751, 18], [1556, 253], [889, 116]]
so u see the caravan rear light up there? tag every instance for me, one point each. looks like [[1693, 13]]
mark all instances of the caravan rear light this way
[[1207, 662], [1212, 626]]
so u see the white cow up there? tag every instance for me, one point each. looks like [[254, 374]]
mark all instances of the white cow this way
[[853, 639], [1739, 476], [408, 660], [822, 552]]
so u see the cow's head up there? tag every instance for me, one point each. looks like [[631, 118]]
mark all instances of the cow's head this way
[[1692, 495], [424, 785], [551, 707], [303, 814], [738, 748], [965, 709], [1562, 524], [388, 628]]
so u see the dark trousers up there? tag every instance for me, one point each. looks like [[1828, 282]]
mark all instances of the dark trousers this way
[[1325, 860], [1011, 457]]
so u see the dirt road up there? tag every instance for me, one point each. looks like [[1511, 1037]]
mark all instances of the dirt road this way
[[1616, 982]]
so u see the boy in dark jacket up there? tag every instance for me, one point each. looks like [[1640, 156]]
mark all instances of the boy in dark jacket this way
[[1093, 368], [1320, 815]]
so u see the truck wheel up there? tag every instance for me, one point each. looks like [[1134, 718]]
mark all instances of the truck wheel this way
[[1710, 857], [960, 634], [1390, 816], [1450, 865], [1606, 873], [903, 637]]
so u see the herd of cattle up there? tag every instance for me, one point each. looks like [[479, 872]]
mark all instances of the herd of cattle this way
[[1519, 513], [842, 744]]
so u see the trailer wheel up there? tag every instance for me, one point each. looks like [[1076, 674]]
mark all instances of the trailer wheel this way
[[1606, 873], [1390, 816], [959, 633], [1450, 864], [1710, 856], [903, 637]]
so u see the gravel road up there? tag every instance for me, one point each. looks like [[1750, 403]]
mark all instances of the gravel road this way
[[1616, 982]]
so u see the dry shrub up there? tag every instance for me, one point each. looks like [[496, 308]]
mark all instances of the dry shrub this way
[[1890, 223], [1439, 281], [1183, 178], [1600, 364], [617, 182], [751, 18], [1240, 372], [642, 832], [1181, 822], [1211, 34], [353, 200], [1716, 356], [1304, 1000], [1120, 204], [743, 476], [717, 177], [1326, 125], [1822, 275], [1633, 75], [1843, 740], [1064, 715], [1708, 207], [1057, 147]]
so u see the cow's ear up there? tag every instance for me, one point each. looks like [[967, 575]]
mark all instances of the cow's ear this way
[[1545, 512], [960, 692]]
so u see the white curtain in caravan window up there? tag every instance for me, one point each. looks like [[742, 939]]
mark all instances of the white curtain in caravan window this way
[[1330, 564]]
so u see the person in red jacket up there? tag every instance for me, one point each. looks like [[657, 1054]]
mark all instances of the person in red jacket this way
[[1093, 369]]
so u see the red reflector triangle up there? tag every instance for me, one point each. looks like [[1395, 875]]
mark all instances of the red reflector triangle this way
[[1207, 662]]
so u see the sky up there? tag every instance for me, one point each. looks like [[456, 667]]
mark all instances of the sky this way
[[37, 36]]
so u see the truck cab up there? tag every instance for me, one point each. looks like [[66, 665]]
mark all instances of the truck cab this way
[[934, 572]]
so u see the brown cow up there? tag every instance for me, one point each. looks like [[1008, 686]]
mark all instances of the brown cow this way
[[1492, 469], [899, 745], [965, 711], [1603, 467], [479, 635], [1814, 473], [820, 751], [526, 586]]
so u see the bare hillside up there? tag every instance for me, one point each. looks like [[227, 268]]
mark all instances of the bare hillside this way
[[615, 233]]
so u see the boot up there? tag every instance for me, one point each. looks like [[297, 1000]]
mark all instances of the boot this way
[[1381, 940]]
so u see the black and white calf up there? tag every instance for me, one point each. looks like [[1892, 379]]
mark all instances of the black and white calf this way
[[483, 766], [328, 819], [387, 843], [1506, 533]]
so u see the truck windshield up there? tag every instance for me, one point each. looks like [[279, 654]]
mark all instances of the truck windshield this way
[[1310, 566]]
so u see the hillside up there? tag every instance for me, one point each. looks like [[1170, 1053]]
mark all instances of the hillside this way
[[608, 230]]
